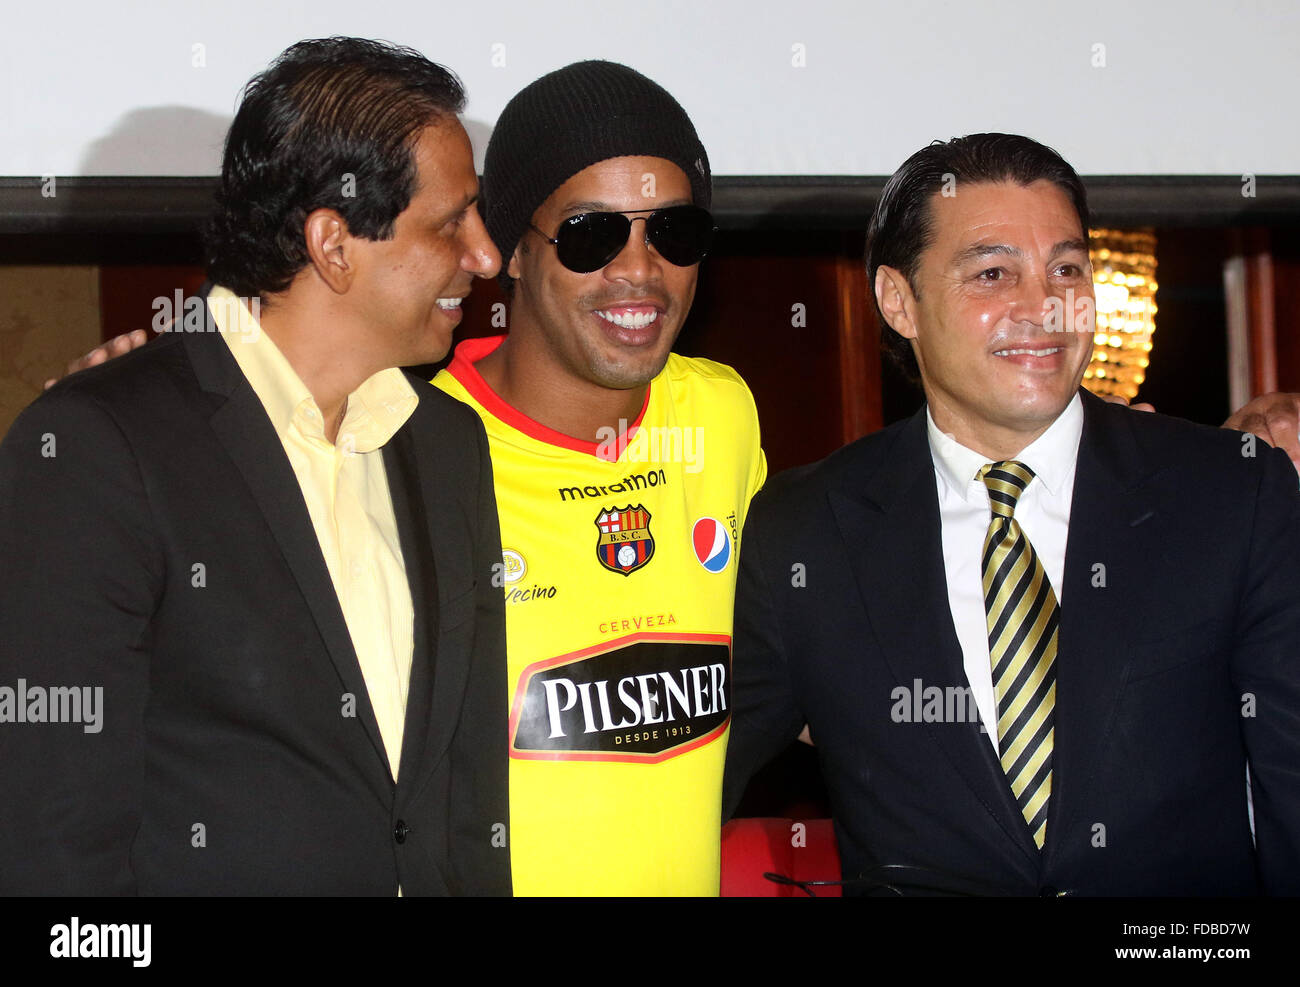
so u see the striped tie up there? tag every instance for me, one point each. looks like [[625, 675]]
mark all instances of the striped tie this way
[[1023, 617]]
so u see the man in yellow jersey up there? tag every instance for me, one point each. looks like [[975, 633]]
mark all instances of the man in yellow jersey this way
[[623, 473]]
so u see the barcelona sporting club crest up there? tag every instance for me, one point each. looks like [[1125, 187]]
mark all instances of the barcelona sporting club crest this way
[[624, 543]]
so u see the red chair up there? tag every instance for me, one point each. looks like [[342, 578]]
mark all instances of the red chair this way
[[800, 849]]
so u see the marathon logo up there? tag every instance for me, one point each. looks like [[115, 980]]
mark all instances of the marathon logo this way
[[629, 484], [640, 698]]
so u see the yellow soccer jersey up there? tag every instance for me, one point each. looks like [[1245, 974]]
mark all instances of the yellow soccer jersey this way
[[619, 574]]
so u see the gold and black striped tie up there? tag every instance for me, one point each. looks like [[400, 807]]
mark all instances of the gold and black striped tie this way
[[1023, 617]]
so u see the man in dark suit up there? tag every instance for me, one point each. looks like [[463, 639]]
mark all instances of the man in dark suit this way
[[1038, 639], [249, 638]]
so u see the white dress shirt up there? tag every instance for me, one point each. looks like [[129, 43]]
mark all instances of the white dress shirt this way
[[1043, 512]]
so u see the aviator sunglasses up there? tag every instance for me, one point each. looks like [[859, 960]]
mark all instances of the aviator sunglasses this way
[[587, 242]]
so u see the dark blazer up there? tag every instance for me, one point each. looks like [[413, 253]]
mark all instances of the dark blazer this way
[[1179, 659], [165, 554]]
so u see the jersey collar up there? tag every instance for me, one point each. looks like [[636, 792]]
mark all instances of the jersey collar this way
[[462, 368]]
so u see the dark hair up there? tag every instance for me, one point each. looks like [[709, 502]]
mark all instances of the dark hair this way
[[902, 227], [330, 124]]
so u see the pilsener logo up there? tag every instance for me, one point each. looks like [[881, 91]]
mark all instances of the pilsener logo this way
[[643, 697]]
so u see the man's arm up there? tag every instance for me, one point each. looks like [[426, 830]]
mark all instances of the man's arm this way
[[115, 347], [1266, 675], [764, 715], [80, 579], [1275, 418]]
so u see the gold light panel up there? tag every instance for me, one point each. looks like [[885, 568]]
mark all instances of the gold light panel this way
[[1124, 280]]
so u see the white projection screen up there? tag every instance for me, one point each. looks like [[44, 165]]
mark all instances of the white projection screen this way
[[775, 87]]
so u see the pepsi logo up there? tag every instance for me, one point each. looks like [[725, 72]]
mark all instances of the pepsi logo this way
[[712, 544]]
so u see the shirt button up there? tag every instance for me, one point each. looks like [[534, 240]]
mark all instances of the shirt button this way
[[400, 831], [357, 570]]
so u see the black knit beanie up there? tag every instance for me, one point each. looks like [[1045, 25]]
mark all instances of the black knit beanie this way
[[570, 119]]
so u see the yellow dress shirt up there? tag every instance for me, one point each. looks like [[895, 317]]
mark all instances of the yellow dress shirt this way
[[346, 489]]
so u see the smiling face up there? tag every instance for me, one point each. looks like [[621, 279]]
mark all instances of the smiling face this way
[[613, 327], [411, 285], [1002, 257]]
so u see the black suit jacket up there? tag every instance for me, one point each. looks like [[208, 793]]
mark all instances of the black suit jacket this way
[[1179, 659], [164, 552]]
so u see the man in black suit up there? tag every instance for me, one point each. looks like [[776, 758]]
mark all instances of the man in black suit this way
[[1038, 639], [249, 639]]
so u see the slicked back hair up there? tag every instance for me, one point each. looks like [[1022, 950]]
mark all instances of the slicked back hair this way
[[902, 226], [333, 124]]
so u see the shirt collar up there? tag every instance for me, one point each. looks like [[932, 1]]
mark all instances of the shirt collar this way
[[1051, 456], [376, 409]]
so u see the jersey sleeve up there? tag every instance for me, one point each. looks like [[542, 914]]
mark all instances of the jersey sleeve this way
[[756, 473]]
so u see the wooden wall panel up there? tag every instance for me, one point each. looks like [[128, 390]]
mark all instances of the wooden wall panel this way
[[776, 321], [48, 315], [1262, 280], [1286, 306], [127, 293], [860, 356]]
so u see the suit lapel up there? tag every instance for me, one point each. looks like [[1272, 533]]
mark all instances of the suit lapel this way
[[891, 529], [422, 577], [243, 428], [438, 678], [1114, 523]]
